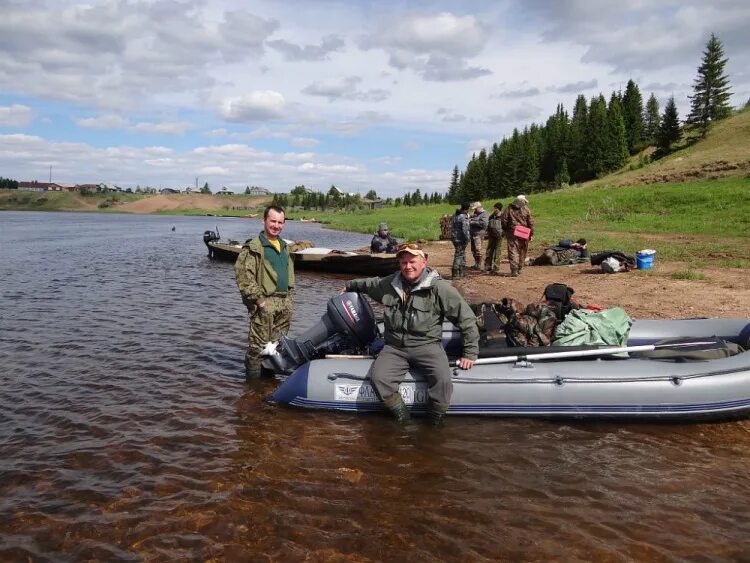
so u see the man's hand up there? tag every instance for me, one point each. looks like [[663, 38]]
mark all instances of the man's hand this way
[[465, 363]]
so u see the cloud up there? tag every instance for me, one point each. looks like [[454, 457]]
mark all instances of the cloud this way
[[436, 47], [256, 106], [520, 114], [292, 52], [634, 36], [305, 142], [112, 121], [244, 34], [519, 93], [574, 87], [15, 116], [346, 89], [219, 132]]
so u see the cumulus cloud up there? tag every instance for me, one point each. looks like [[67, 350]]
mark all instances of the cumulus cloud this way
[[522, 113], [437, 47], [575, 87], [633, 36], [256, 106], [15, 116], [345, 88], [112, 121], [518, 93], [293, 52], [305, 142]]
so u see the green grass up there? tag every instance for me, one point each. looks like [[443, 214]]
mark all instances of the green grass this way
[[688, 275]]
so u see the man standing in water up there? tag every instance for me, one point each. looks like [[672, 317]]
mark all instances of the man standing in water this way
[[265, 278], [416, 300]]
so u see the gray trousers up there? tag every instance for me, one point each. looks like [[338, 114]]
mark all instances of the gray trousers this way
[[429, 360]]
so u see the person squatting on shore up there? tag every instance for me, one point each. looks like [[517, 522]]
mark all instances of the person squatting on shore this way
[[517, 214], [477, 228], [494, 240], [265, 277], [416, 300], [382, 241], [460, 238]]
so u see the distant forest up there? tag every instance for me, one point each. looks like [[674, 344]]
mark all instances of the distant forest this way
[[597, 139]]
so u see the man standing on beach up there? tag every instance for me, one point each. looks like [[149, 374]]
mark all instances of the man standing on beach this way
[[415, 301], [477, 228], [517, 214], [494, 238], [265, 278], [460, 238]]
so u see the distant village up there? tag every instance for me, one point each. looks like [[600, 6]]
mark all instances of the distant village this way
[[35, 186]]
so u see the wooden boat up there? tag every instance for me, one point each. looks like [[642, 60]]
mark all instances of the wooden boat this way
[[669, 369], [315, 259]]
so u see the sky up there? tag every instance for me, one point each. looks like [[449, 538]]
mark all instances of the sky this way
[[378, 95]]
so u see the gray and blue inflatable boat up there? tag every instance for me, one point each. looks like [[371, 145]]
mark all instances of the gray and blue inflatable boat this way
[[670, 369]]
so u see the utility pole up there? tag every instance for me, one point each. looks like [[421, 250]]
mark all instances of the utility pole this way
[[50, 173], [196, 183]]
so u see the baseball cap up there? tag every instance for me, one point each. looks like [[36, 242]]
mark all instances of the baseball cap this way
[[411, 248]]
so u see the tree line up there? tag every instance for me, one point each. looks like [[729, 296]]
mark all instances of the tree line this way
[[300, 196], [598, 138]]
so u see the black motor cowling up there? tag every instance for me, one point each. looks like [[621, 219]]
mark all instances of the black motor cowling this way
[[348, 326], [209, 236]]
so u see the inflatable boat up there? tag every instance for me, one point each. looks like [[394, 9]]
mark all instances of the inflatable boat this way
[[669, 369]]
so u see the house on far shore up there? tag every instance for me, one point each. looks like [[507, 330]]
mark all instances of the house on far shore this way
[[376, 204], [168, 191], [257, 190], [225, 191], [86, 187], [189, 190], [35, 186]]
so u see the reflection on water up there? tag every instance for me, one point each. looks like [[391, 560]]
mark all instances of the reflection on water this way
[[127, 432]]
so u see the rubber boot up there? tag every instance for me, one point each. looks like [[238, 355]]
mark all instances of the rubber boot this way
[[454, 274], [398, 409], [436, 413], [514, 273], [252, 367]]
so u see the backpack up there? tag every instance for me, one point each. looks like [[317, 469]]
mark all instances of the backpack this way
[[557, 298]]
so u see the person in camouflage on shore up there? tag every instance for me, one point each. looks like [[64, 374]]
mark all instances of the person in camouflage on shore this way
[[265, 277], [460, 238], [494, 238], [517, 214], [477, 230]]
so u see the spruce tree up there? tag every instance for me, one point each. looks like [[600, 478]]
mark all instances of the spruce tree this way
[[651, 124], [710, 99], [578, 141], [617, 144], [632, 113], [453, 189], [669, 130], [597, 142]]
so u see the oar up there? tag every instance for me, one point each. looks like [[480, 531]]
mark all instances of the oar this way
[[593, 352]]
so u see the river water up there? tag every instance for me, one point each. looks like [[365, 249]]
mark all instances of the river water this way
[[128, 433]]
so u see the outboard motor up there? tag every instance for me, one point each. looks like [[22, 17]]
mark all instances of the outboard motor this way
[[348, 326], [209, 236]]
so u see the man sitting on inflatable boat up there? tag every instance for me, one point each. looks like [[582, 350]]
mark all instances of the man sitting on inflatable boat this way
[[416, 300]]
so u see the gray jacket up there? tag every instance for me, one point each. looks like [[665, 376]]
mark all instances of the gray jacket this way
[[478, 223], [416, 318]]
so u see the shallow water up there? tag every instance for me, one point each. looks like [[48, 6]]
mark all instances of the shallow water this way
[[127, 432]]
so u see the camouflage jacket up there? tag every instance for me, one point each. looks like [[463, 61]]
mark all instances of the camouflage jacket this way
[[416, 318], [255, 277], [514, 216], [460, 228], [495, 226]]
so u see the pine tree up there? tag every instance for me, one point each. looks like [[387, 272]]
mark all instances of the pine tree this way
[[596, 138], [710, 99], [617, 143], [578, 141], [669, 130], [651, 124], [632, 113], [454, 187]]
